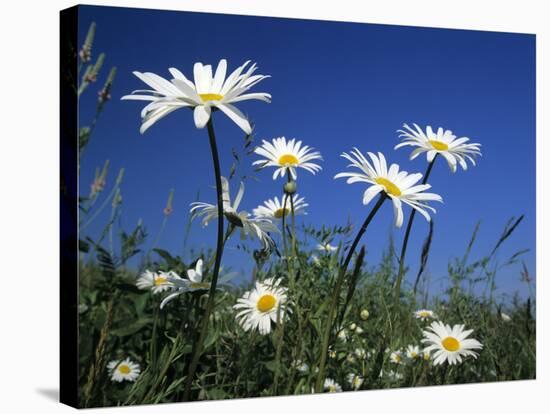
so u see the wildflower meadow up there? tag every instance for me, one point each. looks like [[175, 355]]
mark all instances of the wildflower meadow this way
[[332, 304]]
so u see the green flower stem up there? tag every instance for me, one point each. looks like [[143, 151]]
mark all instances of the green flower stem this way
[[336, 293], [219, 251], [401, 271]]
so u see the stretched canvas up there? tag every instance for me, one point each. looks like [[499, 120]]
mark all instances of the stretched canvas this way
[[258, 206]]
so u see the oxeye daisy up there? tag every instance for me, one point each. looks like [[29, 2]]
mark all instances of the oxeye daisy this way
[[413, 352], [253, 227], [209, 91], [275, 209], [125, 370], [355, 381], [193, 283], [449, 344], [399, 186], [396, 357], [157, 282], [444, 142], [261, 306], [331, 386], [287, 156], [424, 314]]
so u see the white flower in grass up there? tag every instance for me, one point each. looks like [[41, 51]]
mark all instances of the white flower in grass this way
[[275, 209], [505, 317], [360, 353], [449, 344], [413, 352], [426, 355], [258, 308], [391, 375], [364, 314], [424, 314], [287, 156], [193, 283], [210, 91], [396, 357], [355, 381], [331, 386], [398, 185], [253, 227], [157, 282], [326, 247], [125, 370], [343, 335], [301, 366], [454, 150]]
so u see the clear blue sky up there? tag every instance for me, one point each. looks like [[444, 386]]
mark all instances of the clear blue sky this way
[[334, 86]]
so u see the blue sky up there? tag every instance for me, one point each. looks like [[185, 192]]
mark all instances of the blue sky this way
[[334, 86]]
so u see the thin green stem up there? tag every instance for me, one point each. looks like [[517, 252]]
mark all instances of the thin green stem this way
[[219, 251], [401, 271], [336, 292]]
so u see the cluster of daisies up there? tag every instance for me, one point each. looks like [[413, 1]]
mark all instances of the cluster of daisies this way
[[211, 90], [442, 343]]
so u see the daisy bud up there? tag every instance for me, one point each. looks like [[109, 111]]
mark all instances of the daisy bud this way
[[290, 187], [353, 327], [364, 314]]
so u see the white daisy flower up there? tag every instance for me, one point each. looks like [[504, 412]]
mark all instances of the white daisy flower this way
[[364, 314], [413, 352], [342, 335], [331, 386], [449, 344], [426, 356], [157, 282], [275, 209], [398, 185], [287, 156], [360, 353], [260, 306], [355, 381], [396, 357], [253, 227], [125, 370], [326, 247], [424, 314], [301, 366], [193, 283], [505, 317], [210, 91], [454, 150]]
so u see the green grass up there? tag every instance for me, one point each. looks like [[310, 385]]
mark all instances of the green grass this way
[[123, 321]]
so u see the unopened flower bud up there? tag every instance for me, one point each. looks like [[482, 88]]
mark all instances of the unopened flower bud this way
[[364, 314], [290, 187]]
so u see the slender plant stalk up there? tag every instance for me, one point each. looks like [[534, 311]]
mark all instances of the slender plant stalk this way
[[336, 293], [401, 271], [219, 251]]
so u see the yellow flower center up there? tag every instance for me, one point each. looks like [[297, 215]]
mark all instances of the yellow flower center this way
[[390, 187], [124, 369], [424, 314], [426, 356], [160, 281], [266, 303], [439, 145], [288, 159], [279, 213], [450, 344], [210, 97]]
